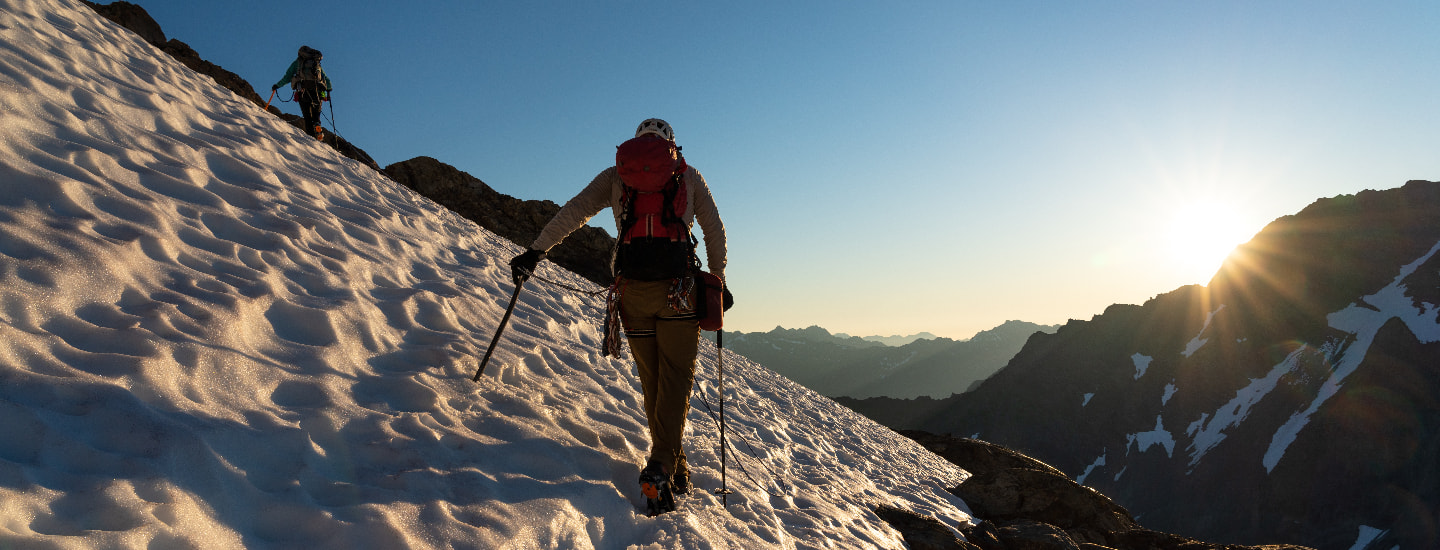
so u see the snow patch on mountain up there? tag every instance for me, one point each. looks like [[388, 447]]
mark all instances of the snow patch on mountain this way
[[1170, 390], [1142, 441], [1363, 322], [1209, 430], [1197, 342], [1142, 364], [1099, 461]]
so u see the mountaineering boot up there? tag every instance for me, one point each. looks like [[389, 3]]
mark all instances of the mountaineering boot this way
[[320, 133], [655, 484], [680, 483]]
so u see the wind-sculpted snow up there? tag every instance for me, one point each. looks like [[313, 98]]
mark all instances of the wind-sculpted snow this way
[[218, 333]]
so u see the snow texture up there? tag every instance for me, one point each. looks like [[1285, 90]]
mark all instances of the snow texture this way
[[219, 333]]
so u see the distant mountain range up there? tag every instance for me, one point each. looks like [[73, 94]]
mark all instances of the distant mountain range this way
[[1295, 399], [893, 340], [838, 365]]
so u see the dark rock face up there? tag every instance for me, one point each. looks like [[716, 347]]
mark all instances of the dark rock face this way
[[138, 21], [132, 17], [1295, 398], [1026, 504], [586, 251]]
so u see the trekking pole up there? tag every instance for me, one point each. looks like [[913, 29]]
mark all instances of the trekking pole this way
[[508, 310], [333, 127], [724, 490]]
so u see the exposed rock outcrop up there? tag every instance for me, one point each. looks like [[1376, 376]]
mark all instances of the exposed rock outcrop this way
[[1027, 505], [922, 532]]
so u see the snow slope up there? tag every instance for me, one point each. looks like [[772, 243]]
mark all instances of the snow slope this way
[[215, 332]]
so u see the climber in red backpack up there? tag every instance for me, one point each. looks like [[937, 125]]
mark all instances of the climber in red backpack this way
[[656, 197]]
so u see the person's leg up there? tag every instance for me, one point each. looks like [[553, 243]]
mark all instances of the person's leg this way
[[309, 99], [677, 343], [664, 343], [639, 304]]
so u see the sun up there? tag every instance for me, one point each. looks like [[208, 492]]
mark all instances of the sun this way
[[1201, 235]]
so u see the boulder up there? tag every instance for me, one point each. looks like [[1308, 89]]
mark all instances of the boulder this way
[[922, 532]]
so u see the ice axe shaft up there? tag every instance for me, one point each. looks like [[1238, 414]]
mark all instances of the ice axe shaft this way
[[503, 320], [272, 98]]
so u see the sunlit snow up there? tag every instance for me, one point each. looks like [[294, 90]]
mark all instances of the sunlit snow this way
[[219, 333]]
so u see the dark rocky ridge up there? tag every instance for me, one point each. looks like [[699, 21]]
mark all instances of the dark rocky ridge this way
[[1026, 504]]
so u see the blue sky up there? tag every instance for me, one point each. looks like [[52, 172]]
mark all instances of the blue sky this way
[[890, 168]]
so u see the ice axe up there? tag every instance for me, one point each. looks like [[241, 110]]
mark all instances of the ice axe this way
[[519, 281]]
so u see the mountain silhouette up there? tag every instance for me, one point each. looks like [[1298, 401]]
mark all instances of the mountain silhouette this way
[[1296, 397]]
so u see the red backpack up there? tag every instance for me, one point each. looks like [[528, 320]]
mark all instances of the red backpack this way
[[652, 169]]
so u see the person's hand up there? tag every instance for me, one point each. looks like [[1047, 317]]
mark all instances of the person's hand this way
[[524, 265], [274, 87]]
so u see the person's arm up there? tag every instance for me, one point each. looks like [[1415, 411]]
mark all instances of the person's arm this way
[[289, 73], [708, 216], [591, 200]]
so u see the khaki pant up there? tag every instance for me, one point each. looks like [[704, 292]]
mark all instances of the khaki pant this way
[[664, 342]]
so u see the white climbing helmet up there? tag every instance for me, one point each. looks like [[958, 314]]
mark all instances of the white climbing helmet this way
[[657, 127]]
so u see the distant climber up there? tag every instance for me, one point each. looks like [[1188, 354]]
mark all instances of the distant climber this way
[[655, 197], [307, 79]]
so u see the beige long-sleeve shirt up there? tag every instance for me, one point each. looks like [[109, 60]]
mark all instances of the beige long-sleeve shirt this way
[[606, 190]]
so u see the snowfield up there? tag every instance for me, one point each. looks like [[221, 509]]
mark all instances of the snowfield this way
[[215, 332]]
